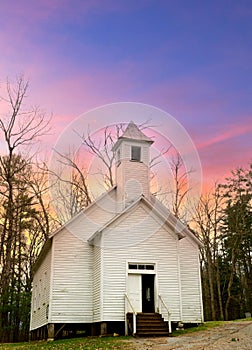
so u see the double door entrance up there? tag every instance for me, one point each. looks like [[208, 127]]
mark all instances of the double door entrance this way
[[141, 292]]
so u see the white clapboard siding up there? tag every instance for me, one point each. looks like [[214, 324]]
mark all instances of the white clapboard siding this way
[[136, 180], [72, 267], [74, 272], [72, 289], [158, 246], [190, 281], [41, 293], [132, 177], [97, 284]]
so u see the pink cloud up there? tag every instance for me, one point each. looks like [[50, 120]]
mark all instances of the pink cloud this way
[[220, 157], [223, 139], [231, 132]]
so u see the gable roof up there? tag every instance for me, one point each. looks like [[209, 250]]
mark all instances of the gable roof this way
[[83, 211], [174, 220], [44, 250], [158, 209], [48, 242]]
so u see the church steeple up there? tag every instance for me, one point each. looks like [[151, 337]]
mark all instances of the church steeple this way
[[132, 153]]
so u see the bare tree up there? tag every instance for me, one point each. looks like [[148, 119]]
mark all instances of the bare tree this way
[[20, 129], [71, 179], [102, 149], [73, 193], [206, 220], [180, 177], [175, 192]]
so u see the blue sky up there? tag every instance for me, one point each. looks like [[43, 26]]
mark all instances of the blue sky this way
[[189, 58]]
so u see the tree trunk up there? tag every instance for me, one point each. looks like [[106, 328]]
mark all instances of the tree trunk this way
[[219, 290], [230, 283], [211, 284]]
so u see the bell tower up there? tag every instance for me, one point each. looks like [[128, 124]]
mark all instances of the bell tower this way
[[132, 154]]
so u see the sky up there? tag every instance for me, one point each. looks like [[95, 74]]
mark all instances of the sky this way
[[189, 58]]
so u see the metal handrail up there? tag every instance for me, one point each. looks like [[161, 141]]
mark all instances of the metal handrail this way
[[134, 315], [168, 313]]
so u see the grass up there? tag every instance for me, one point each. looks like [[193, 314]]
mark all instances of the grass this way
[[205, 326], [201, 327], [88, 343], [244, 319]]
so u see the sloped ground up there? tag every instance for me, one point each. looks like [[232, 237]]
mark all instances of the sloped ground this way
[[229, 336]]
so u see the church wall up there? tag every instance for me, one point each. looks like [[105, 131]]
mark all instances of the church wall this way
[[129, 240], [76, 280], [192, 308], [41, 293], [97, 284], [71, 263], [72, 285]]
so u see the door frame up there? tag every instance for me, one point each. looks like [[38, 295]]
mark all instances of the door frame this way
[[142, 272]]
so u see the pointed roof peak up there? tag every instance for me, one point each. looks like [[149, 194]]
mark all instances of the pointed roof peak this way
[[134, 133]]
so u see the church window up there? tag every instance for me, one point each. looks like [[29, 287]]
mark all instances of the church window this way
[[133, 266], [136, 153]]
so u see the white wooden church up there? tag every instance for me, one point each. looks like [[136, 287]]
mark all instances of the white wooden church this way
[[125, 264]]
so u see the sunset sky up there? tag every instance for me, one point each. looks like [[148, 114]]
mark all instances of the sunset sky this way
[[190, 58]]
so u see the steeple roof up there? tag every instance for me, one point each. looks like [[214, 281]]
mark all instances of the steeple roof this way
[[132, 132]]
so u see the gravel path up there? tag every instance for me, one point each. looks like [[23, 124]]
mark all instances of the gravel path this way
[[231, 335]]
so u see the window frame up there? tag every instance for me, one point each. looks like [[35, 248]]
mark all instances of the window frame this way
[[141, 266], [136, 153]]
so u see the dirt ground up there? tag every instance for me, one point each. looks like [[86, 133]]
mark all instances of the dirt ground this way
[[232, 335]]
